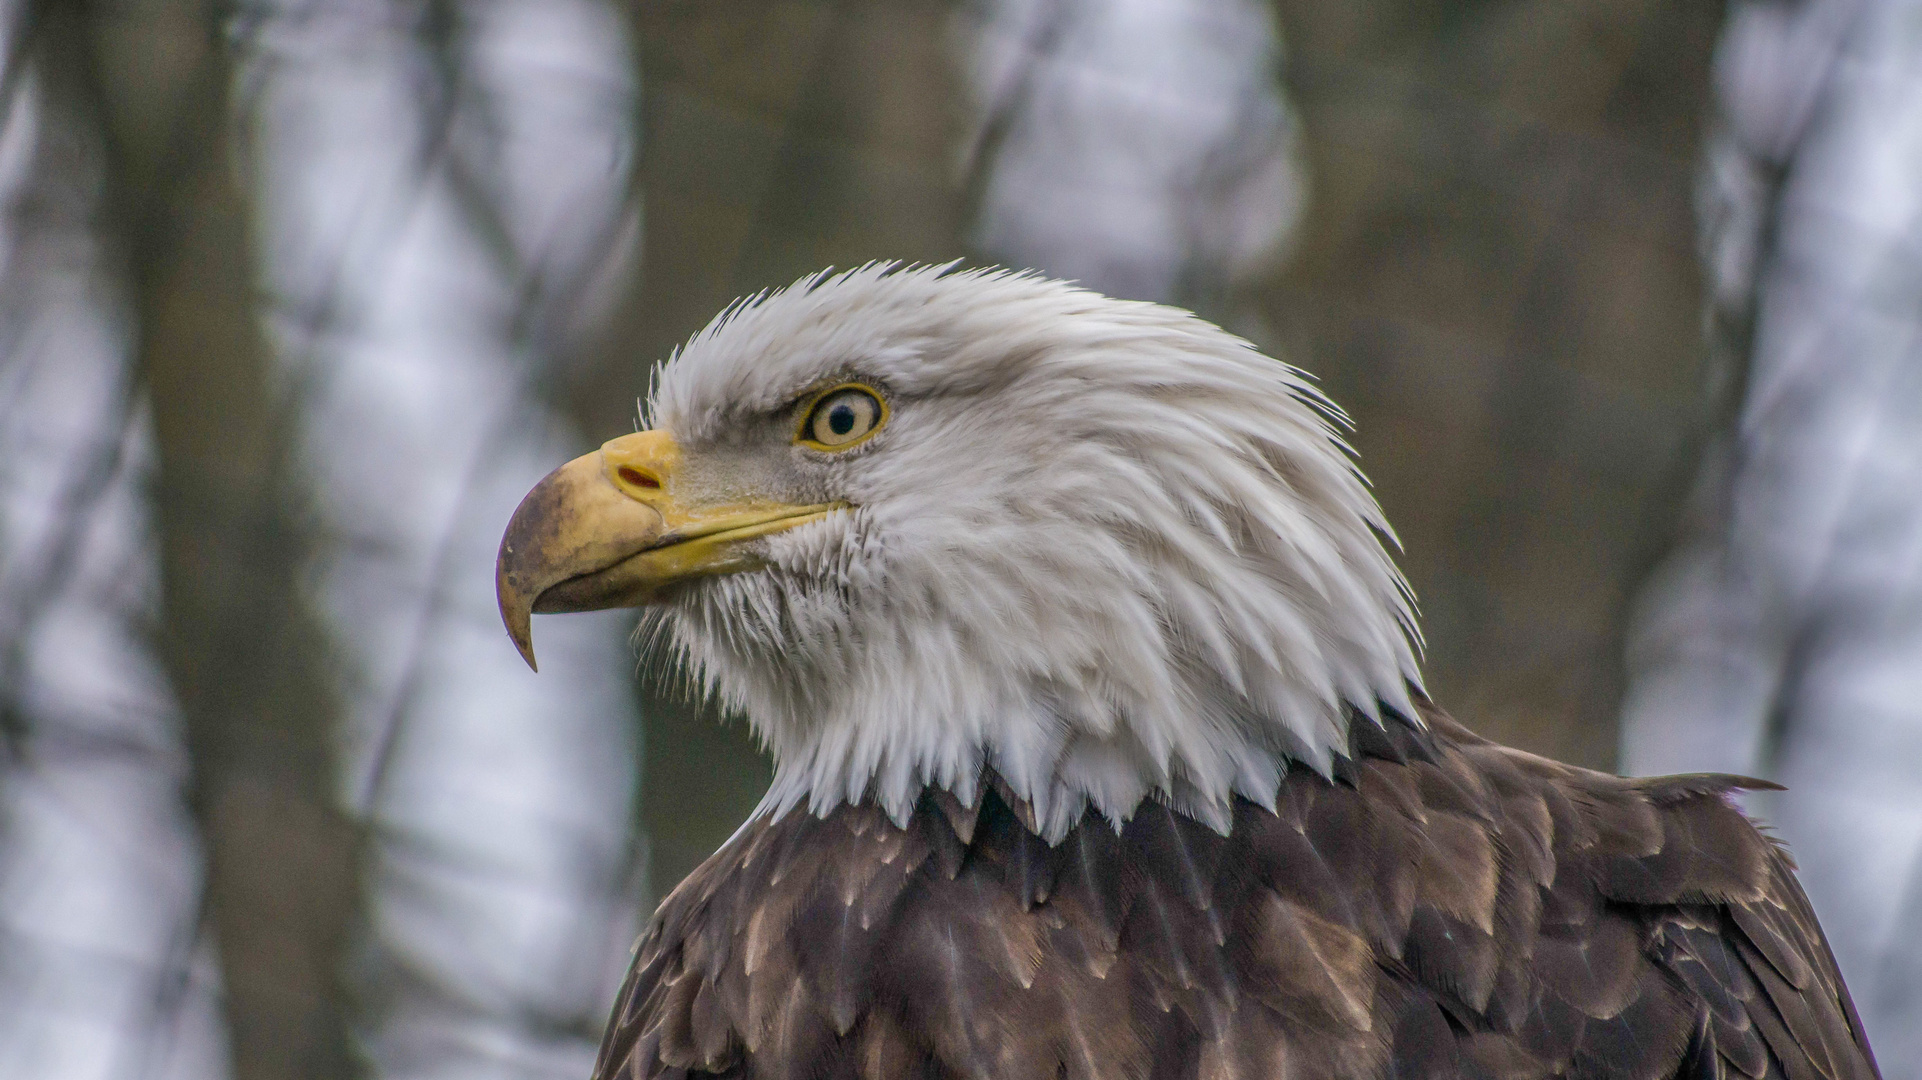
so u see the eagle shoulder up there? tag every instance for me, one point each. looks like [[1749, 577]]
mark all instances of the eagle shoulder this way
[[1442, 907]]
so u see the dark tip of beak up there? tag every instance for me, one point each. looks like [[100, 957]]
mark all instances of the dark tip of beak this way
[[521, 571], [516, 608]]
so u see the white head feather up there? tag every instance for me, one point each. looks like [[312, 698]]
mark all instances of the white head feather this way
[[1102, 546]]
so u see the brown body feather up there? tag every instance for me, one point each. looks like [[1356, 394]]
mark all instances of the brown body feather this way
[[1445, 907]]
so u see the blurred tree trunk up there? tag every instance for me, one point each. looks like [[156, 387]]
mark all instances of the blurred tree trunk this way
[[244, 654], [1498, 281]]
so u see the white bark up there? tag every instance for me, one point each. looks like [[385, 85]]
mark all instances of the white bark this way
[[1784, 637]]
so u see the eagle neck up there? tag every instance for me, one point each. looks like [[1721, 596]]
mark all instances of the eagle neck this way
[[1199, 770]]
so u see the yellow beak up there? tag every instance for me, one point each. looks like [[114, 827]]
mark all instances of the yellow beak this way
[[611, 528]]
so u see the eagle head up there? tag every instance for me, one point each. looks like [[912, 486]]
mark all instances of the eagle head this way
[[916, 523]]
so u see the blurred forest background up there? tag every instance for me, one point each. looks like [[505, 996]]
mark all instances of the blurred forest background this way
[[299, 296]]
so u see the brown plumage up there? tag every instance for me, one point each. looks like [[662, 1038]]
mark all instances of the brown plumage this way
[[1444, 907]]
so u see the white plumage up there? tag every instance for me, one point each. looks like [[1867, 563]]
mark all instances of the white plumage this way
[[1102, 546]]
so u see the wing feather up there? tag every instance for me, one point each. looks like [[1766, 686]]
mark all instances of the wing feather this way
[[1444, 908]]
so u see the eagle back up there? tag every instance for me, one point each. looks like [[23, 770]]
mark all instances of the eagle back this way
[[1442, 907]]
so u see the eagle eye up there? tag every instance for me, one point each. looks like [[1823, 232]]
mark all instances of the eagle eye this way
[[841, 417]]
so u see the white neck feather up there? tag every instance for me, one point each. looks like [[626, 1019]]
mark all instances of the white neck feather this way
[[1108, 550]]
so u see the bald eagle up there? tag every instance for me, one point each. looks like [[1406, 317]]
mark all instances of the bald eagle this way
[[1101, 745]]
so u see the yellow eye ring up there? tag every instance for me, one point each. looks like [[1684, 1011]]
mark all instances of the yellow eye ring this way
[[841, 418]]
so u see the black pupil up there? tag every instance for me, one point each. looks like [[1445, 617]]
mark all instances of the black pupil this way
[[841, 418]]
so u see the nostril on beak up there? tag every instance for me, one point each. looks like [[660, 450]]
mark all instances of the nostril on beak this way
[[638, 478], [639, 464]]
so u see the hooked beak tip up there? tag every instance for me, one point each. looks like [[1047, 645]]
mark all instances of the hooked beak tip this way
[[516, 610]]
